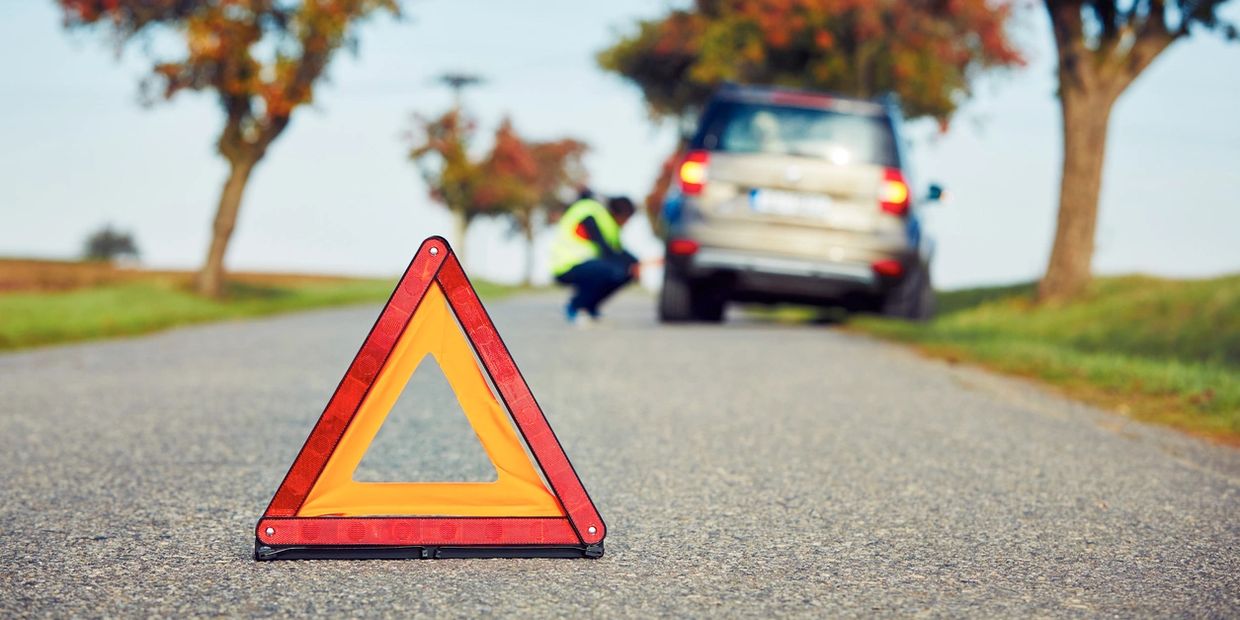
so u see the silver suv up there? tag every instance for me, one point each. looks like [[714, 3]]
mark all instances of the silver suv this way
[[798, 197]]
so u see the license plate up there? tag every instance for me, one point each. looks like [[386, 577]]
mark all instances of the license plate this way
[[791, 204]]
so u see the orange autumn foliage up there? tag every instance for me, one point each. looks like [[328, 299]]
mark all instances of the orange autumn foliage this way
[[516, 177]]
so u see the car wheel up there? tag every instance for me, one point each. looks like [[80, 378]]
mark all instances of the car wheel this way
[[708, 305], [682, 300], [675, 299], [913, 299]]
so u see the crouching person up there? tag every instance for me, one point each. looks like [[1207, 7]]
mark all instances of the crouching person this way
[[588, 257]]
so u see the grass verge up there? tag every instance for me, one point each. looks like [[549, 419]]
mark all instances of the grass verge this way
[[136, 302], [1163, 351]]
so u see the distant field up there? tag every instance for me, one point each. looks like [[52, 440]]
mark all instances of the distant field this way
[[47, 302], [28, 275], [1166, 351]]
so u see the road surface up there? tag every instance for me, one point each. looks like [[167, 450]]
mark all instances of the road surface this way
[[744, 470]]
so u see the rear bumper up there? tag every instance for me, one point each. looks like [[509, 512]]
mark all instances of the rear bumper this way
[[745, 276], [714, 260]]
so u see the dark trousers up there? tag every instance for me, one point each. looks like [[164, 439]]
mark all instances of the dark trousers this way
[[594, 281]]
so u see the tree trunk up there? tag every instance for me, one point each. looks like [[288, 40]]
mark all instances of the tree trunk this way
[[1085, 118], [528, 229], [461, 224], [211, 277], [1094, 69]]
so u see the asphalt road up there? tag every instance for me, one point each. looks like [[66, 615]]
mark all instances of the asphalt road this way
[[744, 470]]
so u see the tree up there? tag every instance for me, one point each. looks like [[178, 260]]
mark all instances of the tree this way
[[561, 171], [515, 178], [1102, 47], [441, 152], [261, 58], [925, 51], [509, 185], [108, 244], [522, 177]]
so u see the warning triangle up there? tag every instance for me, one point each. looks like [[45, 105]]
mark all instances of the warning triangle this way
[[321, 511]]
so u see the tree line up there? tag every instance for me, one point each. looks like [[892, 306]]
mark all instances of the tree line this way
[[261, 59], [516, 178]]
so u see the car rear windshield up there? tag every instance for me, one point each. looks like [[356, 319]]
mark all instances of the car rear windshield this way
[[737, 127]]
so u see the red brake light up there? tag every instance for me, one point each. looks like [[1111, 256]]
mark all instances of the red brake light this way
[[682, 247], [893, 194], [692, 173], [888, 268]]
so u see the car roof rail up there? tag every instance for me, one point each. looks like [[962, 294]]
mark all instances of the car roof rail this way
[[763, 93]]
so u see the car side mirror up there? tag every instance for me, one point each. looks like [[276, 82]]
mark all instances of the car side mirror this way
[[935, 193]]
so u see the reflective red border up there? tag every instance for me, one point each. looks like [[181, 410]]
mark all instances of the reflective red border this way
[[417, 531]]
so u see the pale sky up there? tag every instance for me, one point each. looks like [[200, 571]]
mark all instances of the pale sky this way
[[336, 193]]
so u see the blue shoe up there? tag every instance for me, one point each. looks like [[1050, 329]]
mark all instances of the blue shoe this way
[[578, 319]]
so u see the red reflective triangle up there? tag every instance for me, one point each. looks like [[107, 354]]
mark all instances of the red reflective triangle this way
[[281, 533]]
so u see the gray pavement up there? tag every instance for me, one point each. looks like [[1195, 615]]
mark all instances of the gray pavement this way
[[748, 469]]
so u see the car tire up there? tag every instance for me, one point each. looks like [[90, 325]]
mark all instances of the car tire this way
[[675, 299], [912, 299], [682, 300], [708, 305]]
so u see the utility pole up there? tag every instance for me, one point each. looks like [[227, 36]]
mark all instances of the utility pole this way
[[457, 82]]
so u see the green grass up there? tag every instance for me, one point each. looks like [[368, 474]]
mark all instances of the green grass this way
[[151, 304], [1166, 351]]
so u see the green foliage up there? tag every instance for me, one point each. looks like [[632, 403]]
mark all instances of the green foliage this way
[[37, 318], [926, 51], [963, 299], [1175, 344]]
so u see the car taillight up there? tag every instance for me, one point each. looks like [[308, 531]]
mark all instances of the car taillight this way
[[887, 268], [682, 247], [893, 195], [692, 173]]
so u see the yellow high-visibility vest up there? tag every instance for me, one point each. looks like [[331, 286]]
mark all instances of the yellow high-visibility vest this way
[[570, 248]]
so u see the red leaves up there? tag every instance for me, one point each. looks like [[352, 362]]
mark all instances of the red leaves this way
[[520, 176], [511, 157]]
